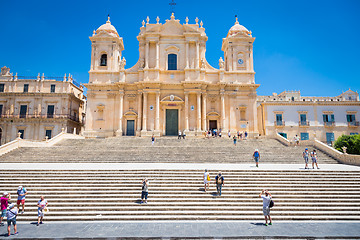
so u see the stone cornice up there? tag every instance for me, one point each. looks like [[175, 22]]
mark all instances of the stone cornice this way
[[353, 103]]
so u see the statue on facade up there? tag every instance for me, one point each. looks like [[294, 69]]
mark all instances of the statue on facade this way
[[142, 63], [5, 71], [122, 63], [221, 63], [202, 66]]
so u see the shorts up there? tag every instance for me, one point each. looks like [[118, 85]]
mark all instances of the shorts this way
[[256, 159], [206, 181], [13, 221], [144, 195], [306, 159], [21, 202], [314, 160], [266, 211], [3, 213], [40, 213]]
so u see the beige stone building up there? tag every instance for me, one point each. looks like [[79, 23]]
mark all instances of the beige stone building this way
[[324, 118], [39, 106], [172, 87]]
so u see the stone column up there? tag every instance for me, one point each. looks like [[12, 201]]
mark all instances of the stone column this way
[[197, 55], [147, 54], [119, 132], [144, 125], [230, 58], [198, 124], [222, 94], [139, 112], [186, 111], [157, 55], [204, 111], [157, 117], [187, 55]]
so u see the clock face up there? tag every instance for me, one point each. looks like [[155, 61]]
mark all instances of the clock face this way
[[240, 61]]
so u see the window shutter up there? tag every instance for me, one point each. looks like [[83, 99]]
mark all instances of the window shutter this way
[[348, 118], [324, 118], [332, 118]]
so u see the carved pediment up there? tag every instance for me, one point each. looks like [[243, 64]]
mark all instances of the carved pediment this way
[[172, 27], [172, 98]]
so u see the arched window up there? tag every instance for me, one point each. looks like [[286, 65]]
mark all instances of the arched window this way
[[172, 62], [103, 60]]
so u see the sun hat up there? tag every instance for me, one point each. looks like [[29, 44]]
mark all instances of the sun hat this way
[[5, 193], [306, 149], [20, 187]]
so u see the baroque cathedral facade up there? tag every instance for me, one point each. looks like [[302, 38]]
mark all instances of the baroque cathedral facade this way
[[172, 87]]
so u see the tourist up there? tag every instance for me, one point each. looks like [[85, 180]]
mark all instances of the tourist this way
[[21, 198], [220, 133], [179, 135], [152, 140], [42, 204], [219, 180], [314, 159], [206, 180], [144, 190], [241, 135], [246, 134], [266, 205], [238, 134], [11, 215], [256, 156], [296, 140], [234, 138], [4, 204], [229, 134], [306, 157], [183, 135]]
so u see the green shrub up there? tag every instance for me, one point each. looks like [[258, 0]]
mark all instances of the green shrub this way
[[352, 142]]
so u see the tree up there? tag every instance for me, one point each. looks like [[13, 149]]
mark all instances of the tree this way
[[351, 142]]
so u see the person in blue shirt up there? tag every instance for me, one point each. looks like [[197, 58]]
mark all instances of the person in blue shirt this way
[[256, 156], [21, 192]]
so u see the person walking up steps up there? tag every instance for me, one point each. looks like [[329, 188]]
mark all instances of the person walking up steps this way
[[306, 157], [256, 156], [206, 180], [314, 159], [266, 197], [21, 192], [42, 204], [234, 139], [152, 140], [229, 134], [179, 134], [11, 215], [4, 204], [219, 181], [144, 190]]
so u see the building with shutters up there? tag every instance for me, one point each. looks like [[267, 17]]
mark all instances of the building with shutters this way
[[39, 107]]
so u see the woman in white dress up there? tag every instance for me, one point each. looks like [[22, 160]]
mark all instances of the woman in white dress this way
[[206, 180]]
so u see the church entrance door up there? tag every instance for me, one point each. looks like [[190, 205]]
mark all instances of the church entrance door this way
[[172, 122], [212, 124], [130, 128]]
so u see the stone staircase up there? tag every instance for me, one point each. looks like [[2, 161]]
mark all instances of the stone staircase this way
[[165, 150], [75, 195]]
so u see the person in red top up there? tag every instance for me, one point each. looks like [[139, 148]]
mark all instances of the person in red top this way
[[4, 204]]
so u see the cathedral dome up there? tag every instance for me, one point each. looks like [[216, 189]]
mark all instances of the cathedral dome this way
[[107, 27], [238, 28]]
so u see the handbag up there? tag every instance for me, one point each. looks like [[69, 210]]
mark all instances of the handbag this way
[[271, 204]]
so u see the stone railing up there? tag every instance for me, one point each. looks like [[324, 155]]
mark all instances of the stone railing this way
[[341, 157], [19, 142], [281, 139]]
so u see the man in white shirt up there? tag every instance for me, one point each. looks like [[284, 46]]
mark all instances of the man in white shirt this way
[[42, 204], [266, 196], [11, 215]]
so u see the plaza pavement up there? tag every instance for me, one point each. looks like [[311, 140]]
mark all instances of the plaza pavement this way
[[187, 230]]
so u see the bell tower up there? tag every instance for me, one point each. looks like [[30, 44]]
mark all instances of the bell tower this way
[[106, 50], [238, 49]]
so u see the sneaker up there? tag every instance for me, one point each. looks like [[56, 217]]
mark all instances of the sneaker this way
[[318, 168], [41, 222], [145, 202], [22, 212], [2, 224], [266, 224], [270, 223], [37, 224], [16, 233]]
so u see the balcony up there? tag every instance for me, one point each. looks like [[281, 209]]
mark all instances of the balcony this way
[[279, 123], [40, 116], [353, 124], [304, 123], [329, 124]]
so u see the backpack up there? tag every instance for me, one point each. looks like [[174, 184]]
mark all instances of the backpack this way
[[271, 204], [219, 180], [208, 177], [256, 154]]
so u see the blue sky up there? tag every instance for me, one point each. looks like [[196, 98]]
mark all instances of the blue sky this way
[[311, 46]]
